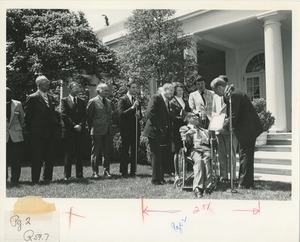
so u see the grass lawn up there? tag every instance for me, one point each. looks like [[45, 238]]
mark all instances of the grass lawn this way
[[118, 187]]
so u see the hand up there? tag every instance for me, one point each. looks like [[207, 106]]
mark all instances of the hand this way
[[77, 127], [138, 115], [135, 104], [191, 131]]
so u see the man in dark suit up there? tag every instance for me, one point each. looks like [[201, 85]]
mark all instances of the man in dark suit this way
[[40, 123], [130, 112], [158, 130], [14, 136], [246, 127], [73, 113], [99, 123]]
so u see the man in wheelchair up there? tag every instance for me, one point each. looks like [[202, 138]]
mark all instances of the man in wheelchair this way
[[197, 147]]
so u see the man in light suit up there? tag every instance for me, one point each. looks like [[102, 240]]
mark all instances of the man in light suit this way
[[99, 123], [73, 113], [223, 138], [130, 110], [201, 101], [246, 127], [158, 130], [41, 125], [14, 136]]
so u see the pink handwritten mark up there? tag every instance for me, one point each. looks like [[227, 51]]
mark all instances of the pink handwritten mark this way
[[70, 217], [254, 211], [205, 207], [145, 210]]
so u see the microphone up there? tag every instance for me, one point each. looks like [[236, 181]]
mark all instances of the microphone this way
[[229, 91]]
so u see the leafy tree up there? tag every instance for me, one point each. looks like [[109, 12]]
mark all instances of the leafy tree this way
[[153, 48], [57, 43]]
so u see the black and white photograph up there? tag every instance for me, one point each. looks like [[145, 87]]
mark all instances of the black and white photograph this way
[[172, 104]]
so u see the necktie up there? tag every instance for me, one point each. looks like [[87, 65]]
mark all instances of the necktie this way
[[167, 105], [132, 100], [75, 101], [202, 95], [46, 99], [104, 102]]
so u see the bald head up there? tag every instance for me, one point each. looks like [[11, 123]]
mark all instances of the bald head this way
[[102, 90]]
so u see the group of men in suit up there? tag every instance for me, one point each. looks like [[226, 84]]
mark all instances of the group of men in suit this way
[[39, 120]]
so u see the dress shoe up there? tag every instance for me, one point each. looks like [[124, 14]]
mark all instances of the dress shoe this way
[[95, 175], [155, 182], [132, 175], [125, 175], [198, 192], [80, 177], [242, 187], [207, 191], [107, 174]]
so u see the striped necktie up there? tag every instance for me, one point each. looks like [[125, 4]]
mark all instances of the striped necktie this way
[[46, 99]]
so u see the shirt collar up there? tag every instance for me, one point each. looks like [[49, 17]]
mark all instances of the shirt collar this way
[[129, 95], [165, 99], [72, 98]]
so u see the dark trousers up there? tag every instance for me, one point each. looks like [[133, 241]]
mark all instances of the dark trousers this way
[[42, 154], [246, 171], [128, 142], [101, 144], [159, 155], [73, 152], [13, 157]]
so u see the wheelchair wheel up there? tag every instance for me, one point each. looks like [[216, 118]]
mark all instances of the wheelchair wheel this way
[[178, 182]]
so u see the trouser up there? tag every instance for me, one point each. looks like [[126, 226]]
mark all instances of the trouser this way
[[202, 169], [224, 154], [73, 151], [13, 157], [128, 142], [159, 154], [101, 144], [246, 172], [42, 154]]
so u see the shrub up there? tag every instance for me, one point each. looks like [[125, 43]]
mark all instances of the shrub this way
[[265, 117]]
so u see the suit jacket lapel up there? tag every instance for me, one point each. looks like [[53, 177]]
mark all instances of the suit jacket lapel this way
[[41, 99], [13, 108], [164, 104], [128, 100], [70, 102]]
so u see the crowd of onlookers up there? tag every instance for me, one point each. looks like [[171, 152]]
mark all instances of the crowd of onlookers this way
[[171, 121]]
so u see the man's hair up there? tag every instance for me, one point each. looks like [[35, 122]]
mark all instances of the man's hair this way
[[130, 83], [225, 78], [72, 84], [167, 86], [200, 79], [190, 116], [217, 82], [100, 86], [40, 79]]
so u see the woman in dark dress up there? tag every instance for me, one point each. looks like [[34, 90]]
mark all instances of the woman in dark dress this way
[[178, 107]]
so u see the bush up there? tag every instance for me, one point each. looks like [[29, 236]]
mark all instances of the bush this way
[[144, 156], [265, 117]]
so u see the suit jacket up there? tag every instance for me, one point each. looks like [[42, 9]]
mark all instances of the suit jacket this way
[[245, 121], [40, 119], [196, 102], [158, 119], [14, 126], [127, 114], [72, 116], [99, 117]]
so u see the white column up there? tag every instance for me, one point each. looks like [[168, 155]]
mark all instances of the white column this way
[[275, 91]]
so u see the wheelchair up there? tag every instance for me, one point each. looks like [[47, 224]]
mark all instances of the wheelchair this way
[[184, 168]]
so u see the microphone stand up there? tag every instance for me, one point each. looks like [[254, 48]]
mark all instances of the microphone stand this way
[[231, 146]]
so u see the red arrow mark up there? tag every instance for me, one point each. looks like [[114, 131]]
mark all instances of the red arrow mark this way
[[145, 210], [254, 210]]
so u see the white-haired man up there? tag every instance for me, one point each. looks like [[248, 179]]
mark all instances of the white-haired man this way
[[158, 131], [99, 123], [40, 123]]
